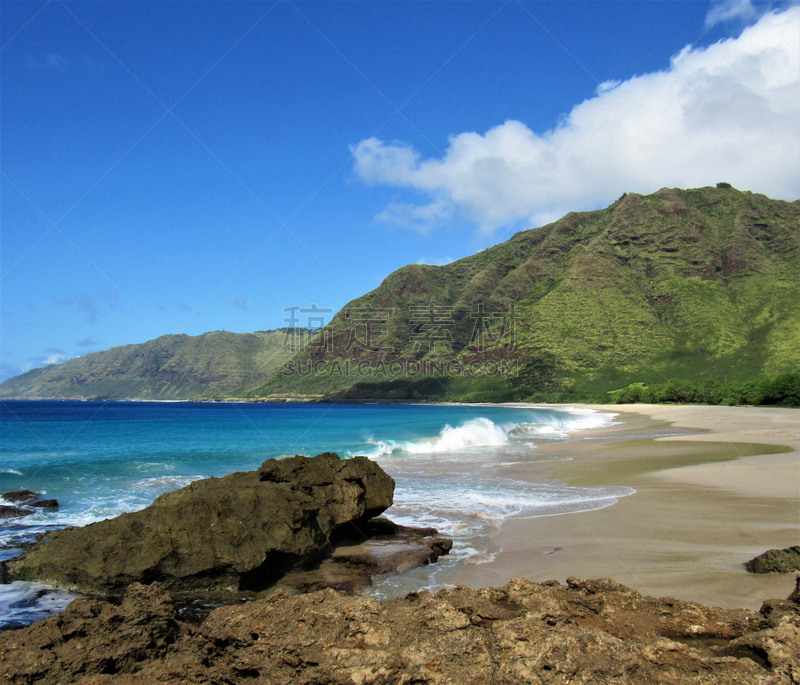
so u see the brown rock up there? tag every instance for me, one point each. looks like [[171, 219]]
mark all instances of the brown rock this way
[[795, 596], [240, 532], [13, 512], [378, 546], [585, 632], [93, 637], [45, 503], [20, 496], [776, 561]]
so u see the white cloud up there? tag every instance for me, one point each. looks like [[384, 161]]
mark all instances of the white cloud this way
[[723, 11], [418, 217], [607, 85], [53, 356], [728, 112]]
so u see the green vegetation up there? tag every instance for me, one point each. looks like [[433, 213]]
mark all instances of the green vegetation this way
[[782, 390], [692, 285], [776, 561], [439, 389], [679, 296], [172, 367]]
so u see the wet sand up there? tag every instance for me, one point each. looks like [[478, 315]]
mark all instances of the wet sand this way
[[715, 486]]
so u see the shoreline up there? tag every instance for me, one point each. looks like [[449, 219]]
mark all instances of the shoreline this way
[[715, 486]]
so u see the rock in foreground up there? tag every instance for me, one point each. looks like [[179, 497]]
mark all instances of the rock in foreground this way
[[240, 532], [776, 561], [377, 547], [586, 631]]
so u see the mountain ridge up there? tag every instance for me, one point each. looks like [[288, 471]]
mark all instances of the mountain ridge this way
[[675, 283], [697, 284], [173, 366]]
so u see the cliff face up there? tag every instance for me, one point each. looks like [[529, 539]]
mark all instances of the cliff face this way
[[686, 284], [240, 532], [691, 284], [583, 632]]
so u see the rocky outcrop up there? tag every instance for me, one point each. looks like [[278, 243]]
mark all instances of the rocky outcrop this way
[[594, 631], [13, 512], [776, 561], [25, 503], [20, 496], [362, 552], [93, 637], [240, 532], [45, 504]]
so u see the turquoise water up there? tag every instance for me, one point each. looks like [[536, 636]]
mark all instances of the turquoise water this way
[[100, 459]]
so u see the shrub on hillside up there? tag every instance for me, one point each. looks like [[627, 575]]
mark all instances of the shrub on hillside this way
[[782, 390]]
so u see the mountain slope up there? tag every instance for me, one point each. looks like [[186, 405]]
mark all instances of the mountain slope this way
[[701, 283], [169, 367], [681, 284]]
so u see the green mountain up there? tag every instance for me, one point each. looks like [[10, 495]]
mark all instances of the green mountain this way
[[686, 284], [170, 367], [694, 285]]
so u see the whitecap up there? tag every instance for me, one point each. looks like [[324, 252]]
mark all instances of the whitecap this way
[[480, 432], [165, 483], [483, 432], [563, 424], [22, 603]]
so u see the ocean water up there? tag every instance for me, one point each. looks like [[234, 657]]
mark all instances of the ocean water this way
[[100, 459]]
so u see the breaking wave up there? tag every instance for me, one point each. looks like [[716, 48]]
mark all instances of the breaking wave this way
[[483, 432]]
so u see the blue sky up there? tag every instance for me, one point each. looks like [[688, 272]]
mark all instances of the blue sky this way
[[181, 167]]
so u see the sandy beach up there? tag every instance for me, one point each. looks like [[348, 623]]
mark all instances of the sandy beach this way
[[715, 486]]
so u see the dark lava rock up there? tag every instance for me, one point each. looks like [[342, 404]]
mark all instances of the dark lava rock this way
[[240, 532], [383, 527], [378, 546], [13, 512], [776, 561], [588, 631], [20, 496], [45, 503]]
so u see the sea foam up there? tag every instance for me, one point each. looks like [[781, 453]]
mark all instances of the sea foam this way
[[575, 419], [23, 603], [483, 432]]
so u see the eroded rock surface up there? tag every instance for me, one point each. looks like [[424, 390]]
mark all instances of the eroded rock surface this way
[[594, 631], [376, 547], [20, 496], [240, 532], [45, 504], [7, 512], [776, 561]]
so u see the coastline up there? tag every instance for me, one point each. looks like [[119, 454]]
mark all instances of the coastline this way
[[715, 486]]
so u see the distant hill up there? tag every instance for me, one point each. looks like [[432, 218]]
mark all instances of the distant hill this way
[[700, 284], [686, 284], [168, 368]]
